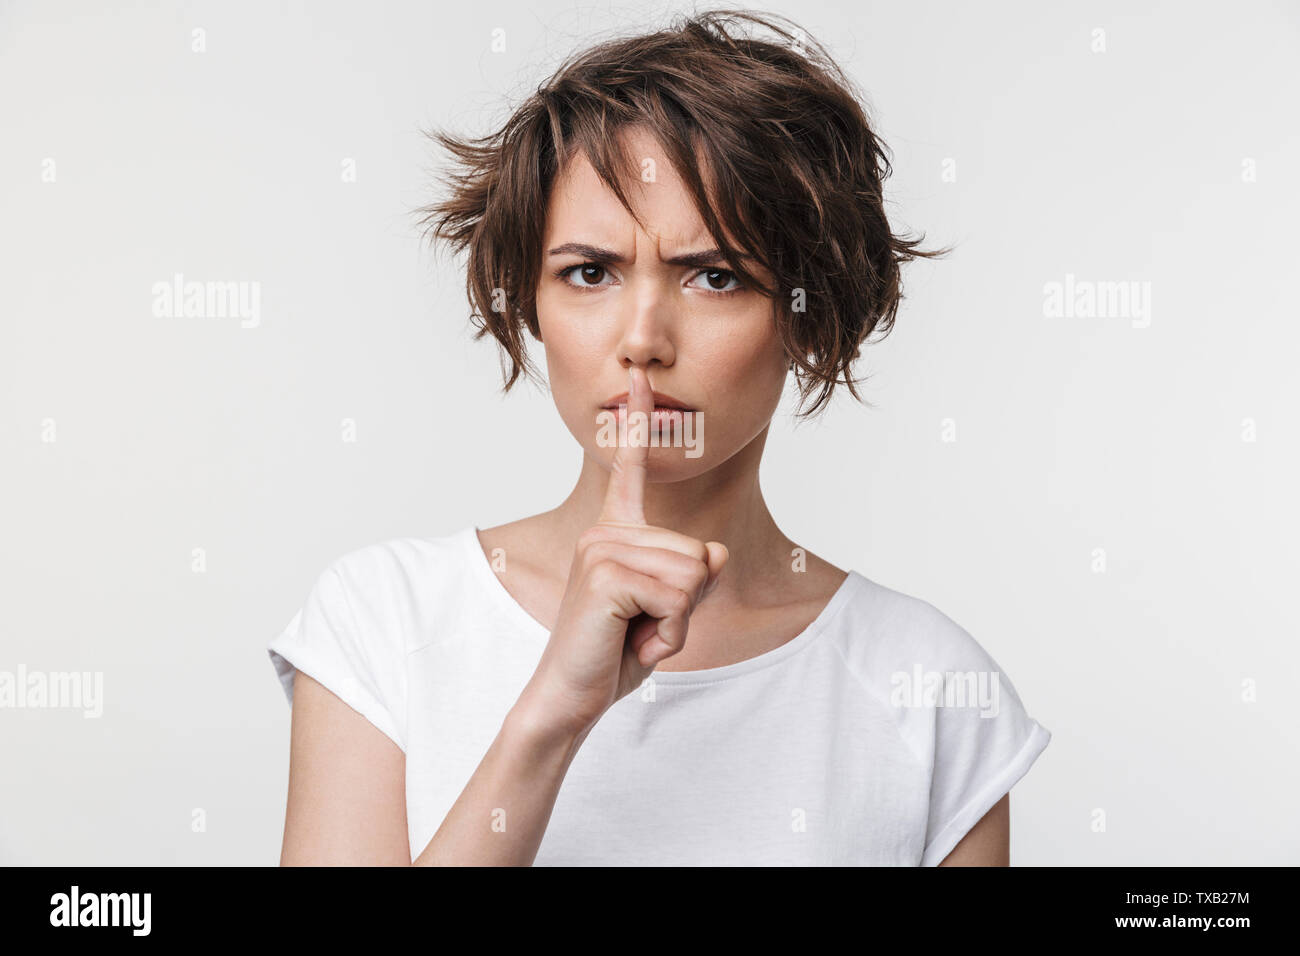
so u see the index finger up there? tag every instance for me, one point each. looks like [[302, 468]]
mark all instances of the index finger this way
[[625, 494]]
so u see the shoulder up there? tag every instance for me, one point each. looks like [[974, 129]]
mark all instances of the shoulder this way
[[927, 672], [942, 689], [368, 609], [398, 561], [391, 586], [884, 629]]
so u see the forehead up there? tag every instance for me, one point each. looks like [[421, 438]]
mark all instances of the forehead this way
[[582, 207]]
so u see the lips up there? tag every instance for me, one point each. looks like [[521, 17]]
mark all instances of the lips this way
[[661, 400]]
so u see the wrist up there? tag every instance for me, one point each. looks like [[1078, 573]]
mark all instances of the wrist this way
[[539, 724]]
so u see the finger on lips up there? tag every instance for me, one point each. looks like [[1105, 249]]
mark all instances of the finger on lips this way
[[622, 519], [625, 495]]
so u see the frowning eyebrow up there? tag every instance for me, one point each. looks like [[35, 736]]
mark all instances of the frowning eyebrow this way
[[705, 257]]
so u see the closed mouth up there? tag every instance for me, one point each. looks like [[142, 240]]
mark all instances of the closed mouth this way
[[662, 403]]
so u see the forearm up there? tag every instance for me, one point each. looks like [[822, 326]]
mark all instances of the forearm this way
[[502, 814]]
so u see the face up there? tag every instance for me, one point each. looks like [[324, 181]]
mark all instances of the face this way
[[611, 296]]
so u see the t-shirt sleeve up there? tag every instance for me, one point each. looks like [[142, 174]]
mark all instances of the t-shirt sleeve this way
[[984, 742], [352, 655]]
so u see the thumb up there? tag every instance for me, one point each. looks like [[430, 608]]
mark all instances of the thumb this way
[[718, 555]]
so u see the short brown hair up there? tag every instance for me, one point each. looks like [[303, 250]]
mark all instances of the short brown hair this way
[[795, 171]]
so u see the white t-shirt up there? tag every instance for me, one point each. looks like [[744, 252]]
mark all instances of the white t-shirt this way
[[848, 745]]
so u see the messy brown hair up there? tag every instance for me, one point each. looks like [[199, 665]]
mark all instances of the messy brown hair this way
[[794, 172]]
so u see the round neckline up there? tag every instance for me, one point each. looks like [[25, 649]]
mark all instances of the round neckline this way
[[504, 599]]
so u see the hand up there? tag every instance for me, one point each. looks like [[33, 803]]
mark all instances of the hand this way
[[629, 596]]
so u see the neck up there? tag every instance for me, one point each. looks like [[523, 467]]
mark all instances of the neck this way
[[724, 504]]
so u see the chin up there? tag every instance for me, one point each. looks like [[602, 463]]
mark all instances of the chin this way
[[670, 464]]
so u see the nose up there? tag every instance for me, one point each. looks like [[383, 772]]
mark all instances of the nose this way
[[646, 336]]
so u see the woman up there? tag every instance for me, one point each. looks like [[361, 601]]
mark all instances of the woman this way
[[652, 672]]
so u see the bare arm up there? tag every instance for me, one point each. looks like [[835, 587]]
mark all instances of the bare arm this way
[[989, 842], [347, 799], [347, 791]]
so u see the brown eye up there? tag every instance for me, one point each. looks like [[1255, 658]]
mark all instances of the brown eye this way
[[589, 275], [720, 281]]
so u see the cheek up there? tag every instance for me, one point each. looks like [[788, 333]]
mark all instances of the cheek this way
[[746, 370], [573, 362], [570, 336]]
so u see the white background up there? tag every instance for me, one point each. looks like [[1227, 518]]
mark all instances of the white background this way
[[1072, 434]]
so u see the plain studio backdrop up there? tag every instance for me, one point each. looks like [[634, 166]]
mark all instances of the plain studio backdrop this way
[[1103, 496]]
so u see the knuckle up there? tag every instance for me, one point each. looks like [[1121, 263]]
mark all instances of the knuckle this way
[[679, 603], [604, 574], [597, 552]]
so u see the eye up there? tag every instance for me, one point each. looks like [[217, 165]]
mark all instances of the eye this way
[[718, 277], [590, 272]]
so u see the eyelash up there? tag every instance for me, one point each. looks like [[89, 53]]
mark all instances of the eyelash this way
[[563, 274]]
